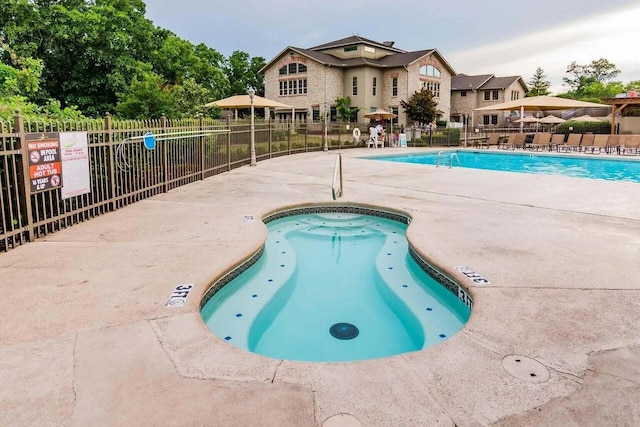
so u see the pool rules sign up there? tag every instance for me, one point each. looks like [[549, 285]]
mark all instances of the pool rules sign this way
[[45, 164]]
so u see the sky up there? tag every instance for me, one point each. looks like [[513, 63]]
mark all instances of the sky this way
[[500, 37]]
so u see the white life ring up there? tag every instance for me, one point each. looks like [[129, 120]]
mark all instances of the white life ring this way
[[356, 133]]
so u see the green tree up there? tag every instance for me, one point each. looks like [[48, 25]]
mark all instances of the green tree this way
[[147, 98], [420, 107], [600, 70], [344, 112], [242, 71], [539, 85]]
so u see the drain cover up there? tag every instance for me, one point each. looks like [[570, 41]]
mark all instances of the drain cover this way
[[525, 368], [342, 420], [344, 331]]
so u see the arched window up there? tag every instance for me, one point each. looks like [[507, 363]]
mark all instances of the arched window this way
[[429, 71]]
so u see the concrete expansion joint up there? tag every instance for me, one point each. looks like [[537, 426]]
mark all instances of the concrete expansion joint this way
[[156, 332], [275, 371], [617, 377], [73, 373], [485, 343], [567, 375]]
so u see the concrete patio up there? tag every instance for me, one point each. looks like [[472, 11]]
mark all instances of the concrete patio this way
[[87, 340]]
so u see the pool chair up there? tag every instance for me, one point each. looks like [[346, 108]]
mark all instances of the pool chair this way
[[540, 141], [599, 143], [614, 142], [572, 144], [515, 140], [493, 139], [373, 139], [508, 144], [631, 145], [587, 142], [557, 139]]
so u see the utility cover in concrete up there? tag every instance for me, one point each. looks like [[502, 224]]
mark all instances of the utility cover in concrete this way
[[525, 368]]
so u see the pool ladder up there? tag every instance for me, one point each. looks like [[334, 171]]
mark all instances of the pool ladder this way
[[336, 186], [453, 156]]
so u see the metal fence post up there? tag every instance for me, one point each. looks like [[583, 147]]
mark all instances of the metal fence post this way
[[201, 145], [165, 155], [108, 132], [229, 144], [25, 194]]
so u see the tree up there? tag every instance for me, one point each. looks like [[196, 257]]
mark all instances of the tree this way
[[242, 71], [600, 71], [539, 85], [344, 112], [420, 107]]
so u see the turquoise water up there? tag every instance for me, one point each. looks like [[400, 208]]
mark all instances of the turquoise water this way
[[319, 270], [581, 167]]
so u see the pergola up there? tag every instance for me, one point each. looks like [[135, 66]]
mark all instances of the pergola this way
[[618, 105]]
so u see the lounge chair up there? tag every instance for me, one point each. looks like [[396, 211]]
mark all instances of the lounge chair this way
[[572, 144], [540, 141], [631, 145], [493, 139], [599, 143], [614, 142], [508, 143], [587, 142], [557, 139], [519, 140]]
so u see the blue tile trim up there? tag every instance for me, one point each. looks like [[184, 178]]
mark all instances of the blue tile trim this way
[[439, 277]]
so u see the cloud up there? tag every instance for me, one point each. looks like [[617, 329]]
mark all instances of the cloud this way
[[602, 36]]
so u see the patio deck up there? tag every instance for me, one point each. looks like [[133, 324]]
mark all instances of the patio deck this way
[[86, 338]]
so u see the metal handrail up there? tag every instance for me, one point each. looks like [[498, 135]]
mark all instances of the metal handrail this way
[[337, 174], [451, 160], [438, 158]]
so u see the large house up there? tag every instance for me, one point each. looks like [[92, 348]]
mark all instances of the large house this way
[[471, 92], [373, 75]]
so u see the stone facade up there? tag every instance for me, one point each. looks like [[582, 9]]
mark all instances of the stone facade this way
[[470, 92], [332, 70]]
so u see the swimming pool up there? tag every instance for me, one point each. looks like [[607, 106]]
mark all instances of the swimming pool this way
[[618, 169], [335, 286]]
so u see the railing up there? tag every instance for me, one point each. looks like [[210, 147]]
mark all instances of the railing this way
[[454, 155], [336, 186], [123, 171]]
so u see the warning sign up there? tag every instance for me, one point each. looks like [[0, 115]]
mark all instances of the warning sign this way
[[45, 165]]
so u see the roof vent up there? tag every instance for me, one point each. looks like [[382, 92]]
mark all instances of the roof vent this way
[[388, 43]]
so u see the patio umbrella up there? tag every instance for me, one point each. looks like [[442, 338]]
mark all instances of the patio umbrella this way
[[585, 118], [251, 100], [551, 119], [540, 103], [244, 101], [528, 119], [380, 115]]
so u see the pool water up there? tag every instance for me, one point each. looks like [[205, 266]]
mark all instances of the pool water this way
[[576, 166], [334, 287]]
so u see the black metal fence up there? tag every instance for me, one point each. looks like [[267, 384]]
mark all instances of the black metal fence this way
[[123, 170]]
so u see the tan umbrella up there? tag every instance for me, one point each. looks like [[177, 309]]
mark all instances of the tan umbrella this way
[[585, 118], [541, 103], [251, 100], [528, 119], [244, 101], [380, 115], [551, 119]]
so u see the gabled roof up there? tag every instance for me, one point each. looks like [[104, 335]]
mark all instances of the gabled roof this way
[[484, 82], [400, 58], [357, 40], [465, 82], [502, 83]]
